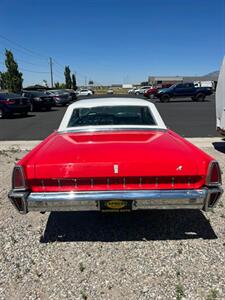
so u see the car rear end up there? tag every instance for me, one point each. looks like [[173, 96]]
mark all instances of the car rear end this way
[[13, 103], [46, 102], [150, 93], [95, 175], [115, 156], [62, 99]]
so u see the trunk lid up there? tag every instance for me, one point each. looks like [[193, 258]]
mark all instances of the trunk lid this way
[[113, 154]]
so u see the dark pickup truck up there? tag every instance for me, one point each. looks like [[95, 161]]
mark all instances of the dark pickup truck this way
[[184, 90]]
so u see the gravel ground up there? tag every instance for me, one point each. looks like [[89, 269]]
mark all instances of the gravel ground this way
[[142, 255]]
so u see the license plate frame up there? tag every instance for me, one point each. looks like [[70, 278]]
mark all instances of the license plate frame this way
[[116, 205]]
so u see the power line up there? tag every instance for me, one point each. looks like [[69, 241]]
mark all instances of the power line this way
[[57, 63], [32, 71], [27, 62], [22, 47]]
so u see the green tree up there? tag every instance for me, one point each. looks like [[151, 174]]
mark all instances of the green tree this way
[[12, 78], [3, 81], [68, 80], [74, 82], [59, 85]]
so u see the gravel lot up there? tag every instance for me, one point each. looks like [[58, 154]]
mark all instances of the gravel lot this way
[[142, 255]]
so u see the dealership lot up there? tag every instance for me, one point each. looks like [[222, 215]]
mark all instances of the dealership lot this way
[[189, 119], [165, 254]]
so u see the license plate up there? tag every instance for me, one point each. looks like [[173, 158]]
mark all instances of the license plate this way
[[116, 206]]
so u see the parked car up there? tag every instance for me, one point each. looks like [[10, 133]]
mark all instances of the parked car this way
[[141, 90], [61, 97], [184, 90], [11, 103], [150, 93], [72, 94], [220, 101], [84, 92], [110, 91], [115, 155], [132, 91], [39, 100]]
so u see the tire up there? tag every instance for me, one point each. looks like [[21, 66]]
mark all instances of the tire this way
[[165, 98], [2, 113], [200, 97]]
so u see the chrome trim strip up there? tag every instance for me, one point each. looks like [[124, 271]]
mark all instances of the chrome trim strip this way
[[144, 199], [111, 129], [141, 199]]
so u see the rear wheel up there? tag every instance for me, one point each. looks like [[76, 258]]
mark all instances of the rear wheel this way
[[165, 98], [200, 97]]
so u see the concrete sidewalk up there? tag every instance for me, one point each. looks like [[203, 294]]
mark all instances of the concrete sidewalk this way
[[28, 145]]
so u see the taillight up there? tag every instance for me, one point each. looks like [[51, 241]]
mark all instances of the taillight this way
[[8, 101], [214, 174], [18, 179]]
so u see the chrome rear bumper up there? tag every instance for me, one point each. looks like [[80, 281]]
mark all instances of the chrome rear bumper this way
[[204, 199]]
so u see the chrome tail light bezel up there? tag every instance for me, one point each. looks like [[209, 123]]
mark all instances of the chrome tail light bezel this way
[[212, 165], [23, 179]]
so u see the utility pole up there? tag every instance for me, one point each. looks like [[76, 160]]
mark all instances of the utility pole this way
[[50, 62]]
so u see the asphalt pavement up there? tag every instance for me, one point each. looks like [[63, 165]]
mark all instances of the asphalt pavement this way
[[187, 118]]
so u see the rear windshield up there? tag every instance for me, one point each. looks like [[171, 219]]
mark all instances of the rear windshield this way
[[111, 115]]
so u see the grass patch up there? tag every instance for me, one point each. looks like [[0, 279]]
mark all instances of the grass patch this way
[[179, 292], [214, 293]]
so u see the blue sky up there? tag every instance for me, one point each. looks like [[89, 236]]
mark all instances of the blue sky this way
[[113, 41]]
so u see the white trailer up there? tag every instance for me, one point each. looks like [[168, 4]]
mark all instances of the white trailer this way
[[205, 83], [220, 100]]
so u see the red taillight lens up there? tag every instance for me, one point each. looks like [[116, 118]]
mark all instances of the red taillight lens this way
[[214, 174], [8, 101], [19, 181]]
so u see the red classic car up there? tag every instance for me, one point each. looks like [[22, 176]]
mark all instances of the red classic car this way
[[114, 154], [150, 93]]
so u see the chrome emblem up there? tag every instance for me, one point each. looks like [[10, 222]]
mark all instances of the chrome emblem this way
[[116, 169], [179, 168]]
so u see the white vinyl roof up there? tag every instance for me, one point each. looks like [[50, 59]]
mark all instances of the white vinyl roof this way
[[114, 101]]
